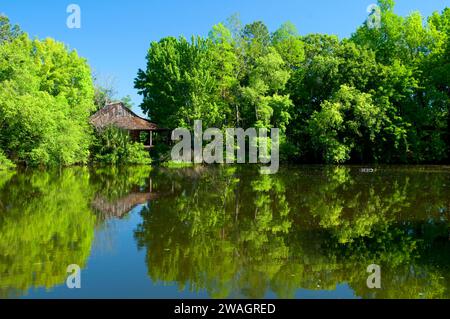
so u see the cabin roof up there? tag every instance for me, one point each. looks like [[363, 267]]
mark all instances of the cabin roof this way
[[119, 208], [117, 114]]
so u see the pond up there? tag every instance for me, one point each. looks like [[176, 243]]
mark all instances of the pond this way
[[226, 232]]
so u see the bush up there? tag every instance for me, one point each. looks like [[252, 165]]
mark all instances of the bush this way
[[5, 163], [114, 146]]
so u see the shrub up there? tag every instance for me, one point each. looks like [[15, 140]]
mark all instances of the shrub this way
[[114, 146], [5, 163]]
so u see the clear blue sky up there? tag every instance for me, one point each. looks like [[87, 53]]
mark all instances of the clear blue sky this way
[[115, 34]]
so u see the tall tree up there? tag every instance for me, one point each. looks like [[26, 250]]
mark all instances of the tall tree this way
[[8, 32], [46, 97], [179, 85]]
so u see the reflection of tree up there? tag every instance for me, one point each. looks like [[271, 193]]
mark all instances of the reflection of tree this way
[[218, 232], [113, 182], [350, 209], [46, 226], [5, 176], [384, 218], [236, 233]]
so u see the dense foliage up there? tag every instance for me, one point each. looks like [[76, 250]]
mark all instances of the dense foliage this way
[[47, 95], [380, 96], [114, 146], [5, 163], [46, 98]]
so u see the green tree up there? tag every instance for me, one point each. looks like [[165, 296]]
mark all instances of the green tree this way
[[257, 39], [179, 86], [407, 50], [347, 124], [227, 72], [248, 77], [46, 97], [289, 45], [5, 163], [8, 32]]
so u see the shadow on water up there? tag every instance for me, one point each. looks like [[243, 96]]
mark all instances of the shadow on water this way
[[234, 233]]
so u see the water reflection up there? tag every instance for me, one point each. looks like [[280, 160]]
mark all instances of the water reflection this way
[[240, 234], [234, 233], [46, 224], [119, 190]]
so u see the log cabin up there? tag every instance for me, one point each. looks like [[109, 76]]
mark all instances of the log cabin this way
[[118, 115]]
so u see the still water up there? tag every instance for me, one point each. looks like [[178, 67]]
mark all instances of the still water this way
[[226, 232]]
